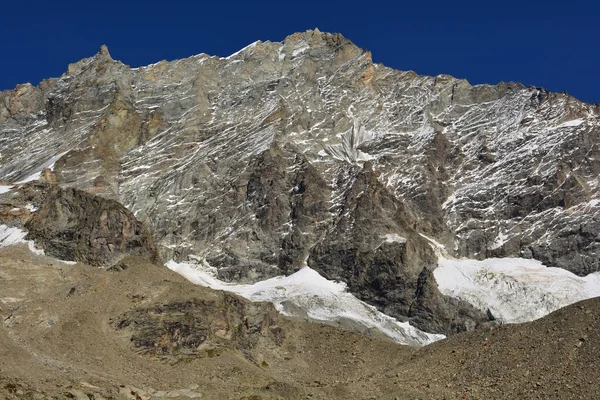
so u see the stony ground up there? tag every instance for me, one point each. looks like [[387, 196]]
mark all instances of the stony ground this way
[[62, 336]]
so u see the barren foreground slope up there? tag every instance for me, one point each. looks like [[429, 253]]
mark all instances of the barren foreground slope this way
[[141, 331]]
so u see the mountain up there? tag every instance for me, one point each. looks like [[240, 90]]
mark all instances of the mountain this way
[[306, 153]]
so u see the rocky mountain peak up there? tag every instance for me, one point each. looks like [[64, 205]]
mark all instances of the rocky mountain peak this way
[[100, 63], [104, 51]]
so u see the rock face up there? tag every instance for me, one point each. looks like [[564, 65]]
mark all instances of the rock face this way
[[74, 225], [305, 151]]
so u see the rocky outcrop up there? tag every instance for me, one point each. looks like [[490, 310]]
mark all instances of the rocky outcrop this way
[[74, 225], [201, 328]]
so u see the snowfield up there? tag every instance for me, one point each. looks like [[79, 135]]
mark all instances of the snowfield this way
[[514, 289], [306, 294]]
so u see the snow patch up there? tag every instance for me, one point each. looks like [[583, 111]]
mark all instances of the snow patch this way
[[500, 240], [11, 235], [307, 294], [5, 188], [33, 177], [300, 50], [35, 250], [251, 45], [575, 122], [514, 289], [393, 238], [438, 248], [449, 201], [591, 203]]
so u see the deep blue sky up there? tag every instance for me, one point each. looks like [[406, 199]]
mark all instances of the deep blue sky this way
[[534, 42]]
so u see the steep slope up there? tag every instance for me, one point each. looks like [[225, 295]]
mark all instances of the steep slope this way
[[256, 164]]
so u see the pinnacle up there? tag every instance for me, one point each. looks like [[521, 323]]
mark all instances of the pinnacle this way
[[104, 51]]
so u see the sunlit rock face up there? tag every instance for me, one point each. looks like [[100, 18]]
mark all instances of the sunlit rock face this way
[[306, 152]]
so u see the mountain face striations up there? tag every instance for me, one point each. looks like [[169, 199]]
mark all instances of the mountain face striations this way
[[305, 152]]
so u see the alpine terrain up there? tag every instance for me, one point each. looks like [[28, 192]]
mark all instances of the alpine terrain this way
[[296, 221]]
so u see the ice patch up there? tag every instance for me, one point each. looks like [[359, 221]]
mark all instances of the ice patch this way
[[48, 164], [350, 141], [514, 289], [394, 238], [307, 292], [4, 189]]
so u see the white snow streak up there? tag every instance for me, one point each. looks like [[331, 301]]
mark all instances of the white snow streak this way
[[575, 122]]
